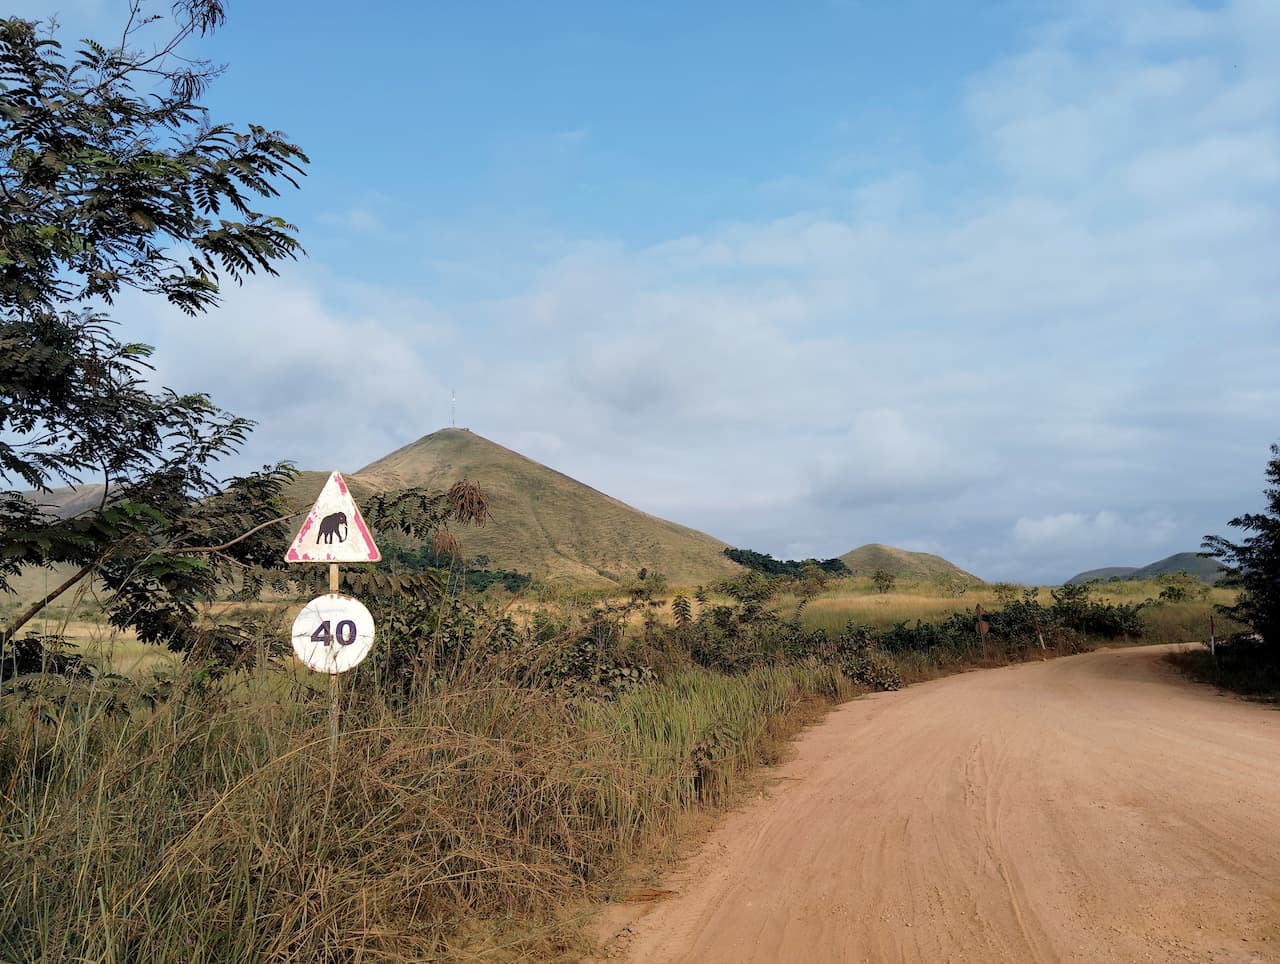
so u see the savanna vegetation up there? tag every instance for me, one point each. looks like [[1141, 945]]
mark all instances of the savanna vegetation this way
[[502, 766], [765, 563], [171, 785], [476, 574]]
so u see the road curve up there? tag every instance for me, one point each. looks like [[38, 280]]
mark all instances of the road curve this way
[[1093, 808]]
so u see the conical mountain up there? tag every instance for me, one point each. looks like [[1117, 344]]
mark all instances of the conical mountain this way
[[865, 560], [544, 522]]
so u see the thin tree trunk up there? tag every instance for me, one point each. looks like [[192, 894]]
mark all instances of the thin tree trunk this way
[[27, 615]]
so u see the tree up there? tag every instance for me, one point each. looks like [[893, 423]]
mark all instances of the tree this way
[[952, 584], [681, 611], [112, 176], [1006, 593], [810, 582], [1254, 563], [765, 563], [883, 580]]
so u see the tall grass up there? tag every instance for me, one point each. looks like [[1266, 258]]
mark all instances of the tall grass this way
[[699, 730], [212, 826]]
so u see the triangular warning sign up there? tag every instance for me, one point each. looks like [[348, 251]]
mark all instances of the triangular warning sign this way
[[333, 530]]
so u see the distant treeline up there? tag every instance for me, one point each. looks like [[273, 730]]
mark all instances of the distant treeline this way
[[479, 576], [765, 563]]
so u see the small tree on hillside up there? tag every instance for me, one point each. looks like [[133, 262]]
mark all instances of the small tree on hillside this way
[[811, 583], [681, 611], [1254, 563], [1006, 593], [883, 580], [952, 584]]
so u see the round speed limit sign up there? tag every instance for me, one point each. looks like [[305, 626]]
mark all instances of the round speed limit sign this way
[[333, 633]]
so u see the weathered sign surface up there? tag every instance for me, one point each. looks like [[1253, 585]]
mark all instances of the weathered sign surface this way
[[333, 633], [333, 530]]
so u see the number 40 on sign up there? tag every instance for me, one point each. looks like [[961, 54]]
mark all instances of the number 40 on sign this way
[[333, 633]]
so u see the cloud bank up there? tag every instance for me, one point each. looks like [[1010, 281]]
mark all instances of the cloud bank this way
[[1051, 350]]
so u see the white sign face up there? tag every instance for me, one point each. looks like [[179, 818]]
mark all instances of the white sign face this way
[[333, 530], [333, 633]]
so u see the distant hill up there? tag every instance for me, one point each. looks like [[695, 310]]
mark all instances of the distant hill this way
[[1108, 572], [544, 522], [67, 502], [1207, 569], [865, 560]]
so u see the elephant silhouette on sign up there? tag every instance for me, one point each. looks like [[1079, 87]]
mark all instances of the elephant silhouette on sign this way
[[332, 526]]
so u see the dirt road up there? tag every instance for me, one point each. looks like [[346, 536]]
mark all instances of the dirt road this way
[[1095, 808]]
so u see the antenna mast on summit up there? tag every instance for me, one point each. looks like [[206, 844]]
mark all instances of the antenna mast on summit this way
[[453, 408]]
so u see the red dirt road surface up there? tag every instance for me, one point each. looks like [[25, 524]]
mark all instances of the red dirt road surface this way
[[1094, 808]]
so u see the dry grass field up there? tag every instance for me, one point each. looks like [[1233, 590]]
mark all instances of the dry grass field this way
[[478, 817], [856, 600]]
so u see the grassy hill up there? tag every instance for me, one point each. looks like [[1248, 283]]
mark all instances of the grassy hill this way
[[1104, 574], [544, 522], [1207, 569], [865, 560]]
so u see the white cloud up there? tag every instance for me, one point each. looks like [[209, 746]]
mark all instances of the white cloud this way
[[1103, 531], [884, 458], [1085, 320], [356, 218], [335, 376]]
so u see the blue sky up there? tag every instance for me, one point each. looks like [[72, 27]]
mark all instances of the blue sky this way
[[995, 280]]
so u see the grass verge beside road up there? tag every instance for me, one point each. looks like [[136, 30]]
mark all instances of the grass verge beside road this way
[[1241, 664], [473, 815]]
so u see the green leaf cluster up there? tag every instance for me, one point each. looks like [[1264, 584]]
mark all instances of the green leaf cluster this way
[[114, 177], [765, 563], [108, 182], [1254, 563]]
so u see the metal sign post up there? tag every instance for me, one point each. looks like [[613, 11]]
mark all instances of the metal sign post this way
[[982, 627], [333, 633]]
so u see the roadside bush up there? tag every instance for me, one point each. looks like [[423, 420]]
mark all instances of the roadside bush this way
[[425, 640], [36, 653], [872, 668], [595, 660], [1074, 609], [1253, 564], [1017, 620], [1069, 642], [955, 633], [1243, 663]]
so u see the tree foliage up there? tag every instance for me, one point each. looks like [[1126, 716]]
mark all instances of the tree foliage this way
[[681, 611], [1254, 562], [113, 177], [425, 516], [765, 563]]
